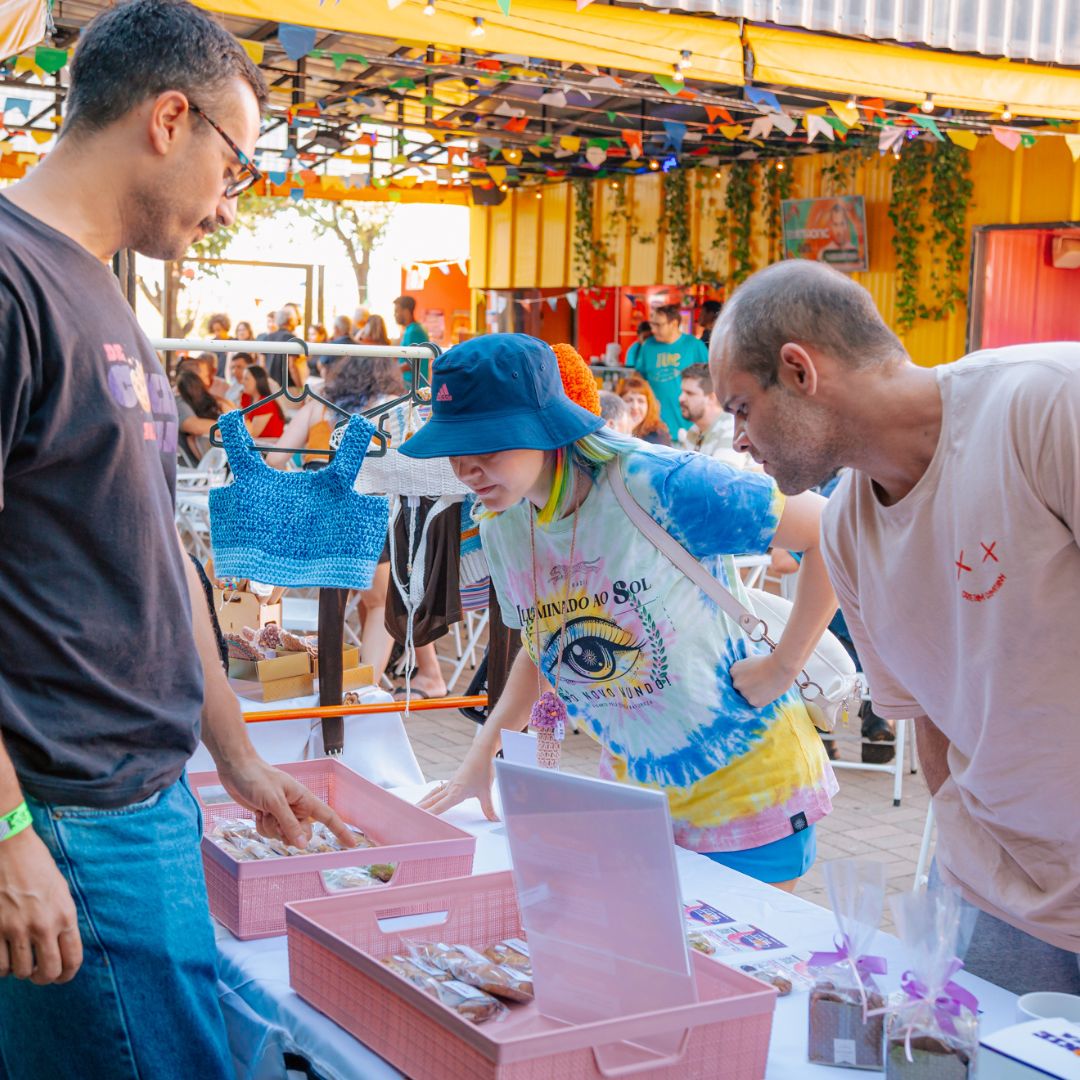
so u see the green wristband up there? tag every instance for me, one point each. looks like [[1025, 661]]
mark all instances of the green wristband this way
[[14, 823]]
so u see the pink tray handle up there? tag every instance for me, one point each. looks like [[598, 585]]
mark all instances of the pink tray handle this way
[[652, 1062]]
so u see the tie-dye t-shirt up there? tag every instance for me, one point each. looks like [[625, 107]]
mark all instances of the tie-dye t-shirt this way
[[645, 655]]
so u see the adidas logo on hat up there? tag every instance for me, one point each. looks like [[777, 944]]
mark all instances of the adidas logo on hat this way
[[444, 393]]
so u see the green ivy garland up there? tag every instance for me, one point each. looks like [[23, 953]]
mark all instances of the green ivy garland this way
[[905, 202], [591, 255], [950, 195], [740, 204], [675, 222], [715, 272], [778, 185]]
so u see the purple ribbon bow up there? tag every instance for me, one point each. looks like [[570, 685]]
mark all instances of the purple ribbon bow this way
[[948, 1002], [864, 965]]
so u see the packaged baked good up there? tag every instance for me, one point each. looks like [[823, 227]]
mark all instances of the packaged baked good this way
[[702, 941], [846, 1026], [239, 838], [472, 1003], [931, 1025], [473, 968], [513, 953]]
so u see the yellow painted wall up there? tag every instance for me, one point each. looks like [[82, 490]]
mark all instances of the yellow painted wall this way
[[528, 242]]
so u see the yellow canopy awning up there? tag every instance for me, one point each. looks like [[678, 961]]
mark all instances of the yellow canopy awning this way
[[624, 38], [868, 69], [22, 24]]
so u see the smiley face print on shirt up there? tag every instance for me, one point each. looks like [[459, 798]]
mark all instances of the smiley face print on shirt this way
[[980, 568]]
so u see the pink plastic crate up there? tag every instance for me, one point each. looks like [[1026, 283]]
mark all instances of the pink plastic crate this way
[[335, 948], [249, 897]]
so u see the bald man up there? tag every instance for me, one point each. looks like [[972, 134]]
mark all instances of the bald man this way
[[952, 547]]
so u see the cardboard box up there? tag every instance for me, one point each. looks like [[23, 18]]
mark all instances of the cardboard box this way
[[296, 686], [1032, 1051], [353, 678], [350, 658], [283, 666], [238, 610]]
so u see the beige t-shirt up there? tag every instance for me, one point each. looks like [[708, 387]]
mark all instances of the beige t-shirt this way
[[963, 600]]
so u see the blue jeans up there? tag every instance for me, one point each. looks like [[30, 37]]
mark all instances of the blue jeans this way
[[144, 1003]]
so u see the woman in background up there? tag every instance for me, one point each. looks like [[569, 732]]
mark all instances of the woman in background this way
[[265, 422], [644, 411]]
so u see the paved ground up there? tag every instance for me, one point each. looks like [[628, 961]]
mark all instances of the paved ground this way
[[864, 821]]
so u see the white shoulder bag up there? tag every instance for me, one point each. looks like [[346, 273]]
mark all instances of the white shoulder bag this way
[[829, 684]]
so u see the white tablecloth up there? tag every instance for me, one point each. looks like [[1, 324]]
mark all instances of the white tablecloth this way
[[376, 746], [266, 1017]]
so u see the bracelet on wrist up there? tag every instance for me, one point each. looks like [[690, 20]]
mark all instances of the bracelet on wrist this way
[[13, 823]]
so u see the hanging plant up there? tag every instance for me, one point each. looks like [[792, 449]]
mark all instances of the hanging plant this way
[[592, 256], [905, 202], [838, 175], [675, 223], [740, 204], [950, 197], [778, 185], [714, 269]]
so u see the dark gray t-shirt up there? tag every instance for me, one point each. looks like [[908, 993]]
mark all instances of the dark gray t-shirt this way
[[100, 682]]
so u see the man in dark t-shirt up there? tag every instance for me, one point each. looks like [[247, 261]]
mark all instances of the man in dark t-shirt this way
[[109, 671]]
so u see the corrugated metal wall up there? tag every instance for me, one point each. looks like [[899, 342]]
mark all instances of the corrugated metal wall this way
[[528, 242], [1045, 30]]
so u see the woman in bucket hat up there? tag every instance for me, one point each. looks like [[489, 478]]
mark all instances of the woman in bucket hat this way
[[617, 640]]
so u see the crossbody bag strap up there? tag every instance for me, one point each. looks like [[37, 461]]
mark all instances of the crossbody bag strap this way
[[681, 559]]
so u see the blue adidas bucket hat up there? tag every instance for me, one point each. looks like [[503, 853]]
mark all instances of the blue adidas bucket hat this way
[[498, 392]]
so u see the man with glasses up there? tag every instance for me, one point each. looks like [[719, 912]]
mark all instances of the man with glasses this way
[[109, 671], [662, 358]]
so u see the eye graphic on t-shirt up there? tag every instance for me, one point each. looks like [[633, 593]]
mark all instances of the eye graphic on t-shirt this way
[[594, 650], [979, 567]]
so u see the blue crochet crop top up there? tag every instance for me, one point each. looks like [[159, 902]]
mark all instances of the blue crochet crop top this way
[[301, 529]]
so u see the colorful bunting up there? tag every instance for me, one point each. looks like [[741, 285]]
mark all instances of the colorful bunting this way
[[761, 128], [890, 138], [14, 104], [512, 155], [849, 114], [718, 112], [818, 125], [633, 141], [595, 156], [50, 60], [873, 108], [1008, 137], [675, 134], [732, 131], [764, 98], [504, 6], [497, 173], [297, 41], [928, 123], [967, 139], [570, 143], [555, 98], [516, 124], [672, 86], [785, 123]]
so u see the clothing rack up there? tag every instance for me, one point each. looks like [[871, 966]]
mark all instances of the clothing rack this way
[[332, 602]]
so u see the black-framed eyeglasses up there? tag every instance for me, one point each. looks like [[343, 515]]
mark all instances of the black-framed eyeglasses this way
[[249, 173]]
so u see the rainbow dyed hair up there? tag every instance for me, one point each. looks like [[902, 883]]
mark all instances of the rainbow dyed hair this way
[[586, 457]]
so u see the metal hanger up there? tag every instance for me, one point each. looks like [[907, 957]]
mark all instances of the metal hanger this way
[[379, 436], [413, 395]]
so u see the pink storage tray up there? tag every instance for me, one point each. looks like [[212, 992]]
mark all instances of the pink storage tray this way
[[335, 946], [249, 897]]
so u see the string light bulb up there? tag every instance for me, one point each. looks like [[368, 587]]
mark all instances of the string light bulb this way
[[896, 153], [504, 187], [539, 194], [684, 60], [677, 73], [615, 184], [718, 175], [927, 105], [429, 7], [654, 164], [478, 26], [853, 102], [779, 166], [1006, 114]]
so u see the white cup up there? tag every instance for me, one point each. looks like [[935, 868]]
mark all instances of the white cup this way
[[1048, 1005]]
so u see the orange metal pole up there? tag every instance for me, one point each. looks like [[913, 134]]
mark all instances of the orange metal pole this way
[[477, 701]]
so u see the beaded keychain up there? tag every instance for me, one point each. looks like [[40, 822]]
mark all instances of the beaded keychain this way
[[548, 716]]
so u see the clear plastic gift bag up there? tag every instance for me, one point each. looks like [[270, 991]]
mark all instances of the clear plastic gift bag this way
[[845, 1006], [931, 1024]]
